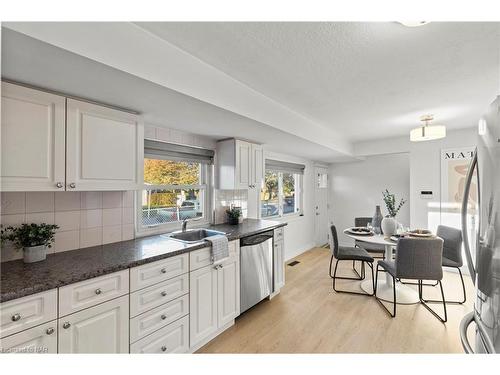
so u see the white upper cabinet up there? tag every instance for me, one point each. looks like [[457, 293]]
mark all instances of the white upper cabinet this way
[[33, 140], [104, 148], [240, 165], [50, 142]]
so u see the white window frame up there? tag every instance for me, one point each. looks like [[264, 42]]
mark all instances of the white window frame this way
[[299, 195], [206, 182]]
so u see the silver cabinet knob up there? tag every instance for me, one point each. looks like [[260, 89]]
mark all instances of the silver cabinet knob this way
[[221, 266], [59, 185], [66, 325], [50, 331], [98, 291], [163, 270], [15, 317], [163, 317], [72, 185], [164, 293], [163, 348]]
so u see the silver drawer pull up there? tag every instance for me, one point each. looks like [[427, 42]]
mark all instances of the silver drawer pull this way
[[15, 317], [163, 293], [66, 325], [163, 348], [72, 185], [163, 317], [98, 291], [163, 270], [59, 185], [50, 331]]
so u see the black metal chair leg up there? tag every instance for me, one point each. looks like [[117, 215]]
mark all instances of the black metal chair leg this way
[[452, 302], [331, 261], [412, 283], [363, 273], [393, 314], [422, 301], [335, 277]]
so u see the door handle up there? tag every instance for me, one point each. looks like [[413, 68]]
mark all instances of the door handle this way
[[465, 202], [464, 324]]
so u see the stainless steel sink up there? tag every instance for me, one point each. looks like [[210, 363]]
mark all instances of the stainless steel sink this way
[[192, 235]]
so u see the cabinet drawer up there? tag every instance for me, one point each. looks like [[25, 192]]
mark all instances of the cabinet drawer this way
[[170, 339], [152, 273], [41, 339], [203, 257], [159, 317], [279, 234], [23, 313], [79, 296], [156, 295]]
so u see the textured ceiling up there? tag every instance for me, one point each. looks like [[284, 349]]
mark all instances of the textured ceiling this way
[[366, 80]]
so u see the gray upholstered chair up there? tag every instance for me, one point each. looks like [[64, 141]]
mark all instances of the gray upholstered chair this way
[[370, 247], [452, 253], [343, 253], [416, 259]]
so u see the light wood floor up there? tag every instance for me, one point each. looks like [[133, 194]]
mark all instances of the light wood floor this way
[[309, 317]]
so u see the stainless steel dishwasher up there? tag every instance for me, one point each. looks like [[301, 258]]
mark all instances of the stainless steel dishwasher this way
[[256, 262]]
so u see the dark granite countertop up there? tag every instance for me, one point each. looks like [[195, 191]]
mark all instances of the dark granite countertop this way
[[19, 279]]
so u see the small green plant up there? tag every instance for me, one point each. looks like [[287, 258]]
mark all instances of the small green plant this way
[[29, 235], [233, 213], [390, 203]]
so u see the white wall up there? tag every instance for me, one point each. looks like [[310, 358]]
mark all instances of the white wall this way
[[299, 233], [425, 168], [356, 188]]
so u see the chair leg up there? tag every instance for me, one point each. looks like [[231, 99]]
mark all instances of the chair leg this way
[[452, 302], [393, 314], [422, 301], [363, 273], [331, 261], [335, 277], [412, 283]]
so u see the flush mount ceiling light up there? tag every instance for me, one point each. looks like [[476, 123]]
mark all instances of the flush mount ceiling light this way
[[427, 132], [413, 23]]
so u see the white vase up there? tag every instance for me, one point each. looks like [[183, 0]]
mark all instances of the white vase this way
[[34, 254], [389, 226]]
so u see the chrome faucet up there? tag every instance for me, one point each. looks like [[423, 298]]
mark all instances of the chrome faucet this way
[[184, 225]]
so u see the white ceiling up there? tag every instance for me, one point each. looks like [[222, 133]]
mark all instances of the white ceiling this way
[[365, 80], [30, 61], [307, 89]]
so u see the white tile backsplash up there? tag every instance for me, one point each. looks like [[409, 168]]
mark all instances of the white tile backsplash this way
[[38, 201], [13, 203], [224, 199], [85, 218], [67, 200]]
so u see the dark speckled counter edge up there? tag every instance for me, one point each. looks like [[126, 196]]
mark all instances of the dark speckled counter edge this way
[[48, 277]]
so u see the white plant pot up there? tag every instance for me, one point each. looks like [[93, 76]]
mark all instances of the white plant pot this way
[[35, 254], [389, 226]]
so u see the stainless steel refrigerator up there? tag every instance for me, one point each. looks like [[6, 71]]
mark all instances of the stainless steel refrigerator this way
[[482, 243]]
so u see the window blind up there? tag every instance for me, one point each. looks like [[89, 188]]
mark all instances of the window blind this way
[[170, 151], [283, 166]]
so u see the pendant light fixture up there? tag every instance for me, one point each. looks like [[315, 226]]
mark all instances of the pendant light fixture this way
[[427, 132]]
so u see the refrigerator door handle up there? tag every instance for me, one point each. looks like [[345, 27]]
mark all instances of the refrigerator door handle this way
[[464, 324], [465, 202]]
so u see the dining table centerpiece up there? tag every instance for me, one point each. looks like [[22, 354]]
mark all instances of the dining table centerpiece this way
[[389, 224]]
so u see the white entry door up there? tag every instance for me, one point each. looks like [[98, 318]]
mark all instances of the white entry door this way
[[321, 205]]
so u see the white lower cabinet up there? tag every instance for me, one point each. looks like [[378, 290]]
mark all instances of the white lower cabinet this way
[[279, 265], [41, 339], [100, 329], [202, 304], [214, 299], [173, 338]]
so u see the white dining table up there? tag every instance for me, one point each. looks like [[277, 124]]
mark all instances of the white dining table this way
[[405, 295]]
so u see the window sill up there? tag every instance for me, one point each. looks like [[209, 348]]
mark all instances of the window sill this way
[[169, 228], [284, 218]]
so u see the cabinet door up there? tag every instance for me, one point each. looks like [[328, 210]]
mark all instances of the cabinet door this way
[[202, 304], [104, 148], [228, 290], [40, 339], [99, 329], [257, 166], [279, 265], [33, 140], [243, 165]]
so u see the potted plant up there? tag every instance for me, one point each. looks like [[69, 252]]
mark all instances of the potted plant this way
[[389, 223], [34, 239], [233, 215]]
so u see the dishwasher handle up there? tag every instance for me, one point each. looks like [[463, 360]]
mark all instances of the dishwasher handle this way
[[256, 239]]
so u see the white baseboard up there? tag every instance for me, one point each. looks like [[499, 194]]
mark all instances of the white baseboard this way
[[298, 251]]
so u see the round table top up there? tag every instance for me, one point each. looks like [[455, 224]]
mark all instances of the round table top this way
[[377, 239]]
